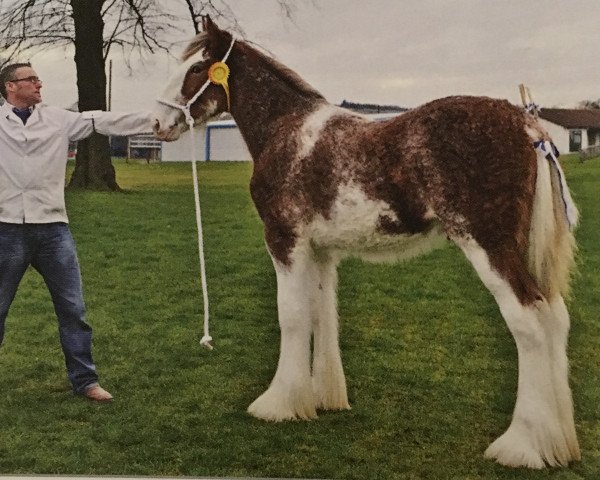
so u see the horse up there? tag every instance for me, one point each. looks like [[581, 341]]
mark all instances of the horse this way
[[329, 183]]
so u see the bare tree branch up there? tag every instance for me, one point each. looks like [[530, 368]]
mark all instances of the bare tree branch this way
[[27, 25], [218, 9], [112, 36], [194, 16], [135, 26]]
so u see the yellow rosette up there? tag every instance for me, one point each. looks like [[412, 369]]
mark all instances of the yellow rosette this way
[[218, 73]]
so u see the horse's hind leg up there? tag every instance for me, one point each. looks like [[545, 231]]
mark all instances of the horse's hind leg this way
[[290, 395], [558, 331], [329, 382], [542, 428]]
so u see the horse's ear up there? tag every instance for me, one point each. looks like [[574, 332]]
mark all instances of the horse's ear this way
[[210, 27], [217, 39], [207, 23]]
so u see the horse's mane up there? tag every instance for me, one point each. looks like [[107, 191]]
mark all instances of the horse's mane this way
[[286, 74], [198, 43], [282, 72]]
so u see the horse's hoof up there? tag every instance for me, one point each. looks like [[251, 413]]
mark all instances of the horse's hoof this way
[[514, 452], [330, 391], [330, 398], [277, 405], [524, 447]]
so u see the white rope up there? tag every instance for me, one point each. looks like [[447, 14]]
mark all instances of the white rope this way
[[206, 339], [186, 109]]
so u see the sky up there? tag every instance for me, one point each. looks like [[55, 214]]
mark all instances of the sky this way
[[394, 52]]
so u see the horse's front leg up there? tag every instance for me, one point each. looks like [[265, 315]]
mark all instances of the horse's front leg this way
[[329, 382], [290, 395]]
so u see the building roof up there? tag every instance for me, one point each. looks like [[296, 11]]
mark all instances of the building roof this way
[[572, 118], [371, 108]]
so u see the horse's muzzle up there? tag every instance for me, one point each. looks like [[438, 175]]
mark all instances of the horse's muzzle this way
[[168, 131]]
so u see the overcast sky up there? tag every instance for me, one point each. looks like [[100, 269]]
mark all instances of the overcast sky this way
[[397, 52]]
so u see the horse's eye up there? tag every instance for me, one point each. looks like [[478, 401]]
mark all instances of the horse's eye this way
[[196, 69]]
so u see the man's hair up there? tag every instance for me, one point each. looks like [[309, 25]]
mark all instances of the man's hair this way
[[7, 74]]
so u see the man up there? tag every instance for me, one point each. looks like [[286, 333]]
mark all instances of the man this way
[[34, 230]]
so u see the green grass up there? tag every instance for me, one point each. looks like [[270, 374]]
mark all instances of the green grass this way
[[431, 367]]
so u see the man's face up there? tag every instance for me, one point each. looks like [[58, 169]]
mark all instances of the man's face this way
[[24, 88]]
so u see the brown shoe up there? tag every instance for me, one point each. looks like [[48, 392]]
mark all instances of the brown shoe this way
[[98, 394]]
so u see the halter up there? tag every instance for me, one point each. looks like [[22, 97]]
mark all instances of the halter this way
[[219, 77], [186, 109]]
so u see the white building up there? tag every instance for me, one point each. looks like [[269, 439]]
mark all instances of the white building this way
[[219, 140], [572, 130]]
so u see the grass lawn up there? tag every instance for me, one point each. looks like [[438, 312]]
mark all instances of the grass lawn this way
[[431, 367]]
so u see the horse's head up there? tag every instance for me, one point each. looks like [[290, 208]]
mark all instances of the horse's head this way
[[198, 89]]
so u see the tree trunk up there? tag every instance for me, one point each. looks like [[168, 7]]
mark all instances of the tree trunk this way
[[93, 163]]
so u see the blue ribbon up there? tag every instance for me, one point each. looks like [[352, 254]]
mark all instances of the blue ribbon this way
[[551, 154]]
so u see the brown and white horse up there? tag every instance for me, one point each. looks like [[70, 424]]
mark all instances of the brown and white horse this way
[[328, 183]]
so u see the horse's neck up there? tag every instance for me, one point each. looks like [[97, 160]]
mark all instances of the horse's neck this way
[[261, 103]]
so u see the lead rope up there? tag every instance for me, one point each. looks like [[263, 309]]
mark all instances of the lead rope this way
[[206, 339], [186, 109]]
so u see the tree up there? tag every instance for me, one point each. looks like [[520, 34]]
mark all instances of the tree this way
[[93, 166], [590, 104], [94, 27]]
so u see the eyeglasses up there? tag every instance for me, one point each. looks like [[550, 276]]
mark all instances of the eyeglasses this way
[[32, 79]]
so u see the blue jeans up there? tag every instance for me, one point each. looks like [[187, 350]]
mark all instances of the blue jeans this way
[[50, 249]]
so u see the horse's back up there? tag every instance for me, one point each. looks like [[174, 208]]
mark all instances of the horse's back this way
[[466, 163]]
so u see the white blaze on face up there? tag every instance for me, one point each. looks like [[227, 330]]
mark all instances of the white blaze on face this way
[[166, 117]]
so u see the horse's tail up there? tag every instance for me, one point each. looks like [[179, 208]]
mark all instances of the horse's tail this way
[[551, 255]]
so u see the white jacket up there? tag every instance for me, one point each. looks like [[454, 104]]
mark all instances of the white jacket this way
[[33, 157]]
